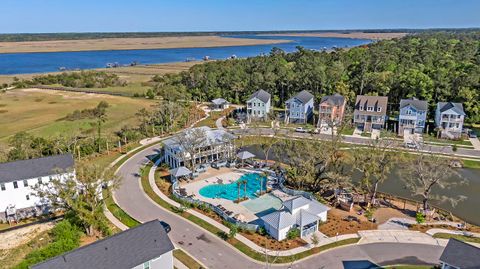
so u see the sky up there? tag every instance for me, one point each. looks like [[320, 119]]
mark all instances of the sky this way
[[47, 16]]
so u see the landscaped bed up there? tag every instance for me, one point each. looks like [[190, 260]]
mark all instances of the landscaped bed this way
[[337, 224]]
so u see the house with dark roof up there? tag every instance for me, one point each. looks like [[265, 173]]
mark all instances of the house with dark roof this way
[[220, 104], [370, 112], [449, 118], [18, 178], [331, 110], [460, 255], [299, 108], [146, 246], [412, 116], [297, 213], [258, 105]]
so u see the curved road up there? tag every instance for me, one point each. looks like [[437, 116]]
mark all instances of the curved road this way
[[215, 253]]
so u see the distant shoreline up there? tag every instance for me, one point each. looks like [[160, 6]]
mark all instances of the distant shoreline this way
[[355, 35], [131, 44]]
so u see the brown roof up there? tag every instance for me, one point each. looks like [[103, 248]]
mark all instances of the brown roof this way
[[375, 101]]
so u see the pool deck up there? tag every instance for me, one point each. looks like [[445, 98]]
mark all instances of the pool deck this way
[[227, 175]]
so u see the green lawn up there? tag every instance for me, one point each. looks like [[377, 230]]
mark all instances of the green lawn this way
[[471, 164], [188, 261], [458, 237], [428, 138]]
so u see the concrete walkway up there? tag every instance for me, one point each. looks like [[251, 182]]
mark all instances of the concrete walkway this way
[[398, 236], [219, 124], [475, 143]]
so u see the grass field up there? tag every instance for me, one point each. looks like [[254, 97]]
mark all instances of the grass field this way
[[40, 112]]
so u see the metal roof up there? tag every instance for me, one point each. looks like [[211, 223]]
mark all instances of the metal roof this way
[[243, 155], [417, 104], [124, 250], [303, 96], [33, 168], [213, 137], [219, 101], [279, 219], [457, 107], [261, 95], [334, 100], [296, 203], [461, 255]]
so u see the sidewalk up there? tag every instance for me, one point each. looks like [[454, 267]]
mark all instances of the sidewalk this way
[[397, 236]]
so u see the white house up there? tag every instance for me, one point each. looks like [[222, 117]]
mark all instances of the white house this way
[[299, 108], [449, 118], [146, 246], [258, 105], [17, 179], [460, 255], [211, 145], [296, 213]]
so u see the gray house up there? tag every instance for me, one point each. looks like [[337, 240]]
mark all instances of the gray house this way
[[220, 104], [258, 105], [145, 246], [412, 117], [449, 119], [370, 112], [460, 255], [299, 108]]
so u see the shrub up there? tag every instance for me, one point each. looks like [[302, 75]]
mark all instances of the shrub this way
[[420, 218], [454, 147], [233, 231], [262, 231], [293, 233]]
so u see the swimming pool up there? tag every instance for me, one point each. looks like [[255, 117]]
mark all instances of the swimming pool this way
[[230, 191], [264, 204]]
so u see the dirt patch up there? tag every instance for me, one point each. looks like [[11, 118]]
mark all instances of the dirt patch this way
[[12, 239], [383, 214], [337, 224], [273, 244]]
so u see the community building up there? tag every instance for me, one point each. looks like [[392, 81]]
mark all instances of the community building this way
[[460, 255], [207, 144], [449, 119], [299, 108], [412, 116], [331, 110], [370, 112], [220, 104], [18, 178], [258, 105], [297, 213], [146, 246]]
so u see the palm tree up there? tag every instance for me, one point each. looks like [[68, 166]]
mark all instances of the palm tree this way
[[245, 189], [238, 191]]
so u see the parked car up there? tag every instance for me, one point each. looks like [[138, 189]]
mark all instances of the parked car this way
[[300, 130], [411, 145], [166, 226]]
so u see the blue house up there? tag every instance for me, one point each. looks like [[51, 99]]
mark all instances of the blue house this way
[[299, 109], [412, 117]]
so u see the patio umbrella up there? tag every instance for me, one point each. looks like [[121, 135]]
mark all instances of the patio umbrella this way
[[180, 172]]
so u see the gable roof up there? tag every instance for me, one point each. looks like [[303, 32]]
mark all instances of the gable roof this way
[[212, 137], [219, 101], [333, 100], [260, 95], [296, 203], [417, 104], [457, 107], [126, 249], [33, 168], [279, 219], [461, 255], [375, 101], [303, 96]]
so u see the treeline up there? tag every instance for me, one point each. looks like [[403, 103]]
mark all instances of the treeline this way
[[433, 66], [83, 79]]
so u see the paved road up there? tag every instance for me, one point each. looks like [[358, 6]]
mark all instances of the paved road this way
[[357, 140], [214, 253]]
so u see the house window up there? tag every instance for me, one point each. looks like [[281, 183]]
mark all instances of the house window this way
[[379, 109], [146, 265], [361, 108], [2, 186], [15, 185], [28, 197], [25, 183], [39, 180]]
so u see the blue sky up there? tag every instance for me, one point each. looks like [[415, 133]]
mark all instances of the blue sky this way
[[229, 15]]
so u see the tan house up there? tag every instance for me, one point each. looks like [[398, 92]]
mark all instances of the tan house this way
[[370, 112], [331, 110]]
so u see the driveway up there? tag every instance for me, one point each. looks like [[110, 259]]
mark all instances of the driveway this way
[[215, 253]]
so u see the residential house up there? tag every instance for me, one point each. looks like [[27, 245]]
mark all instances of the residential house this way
[[258, 105], [145, 246], [449, 119], [18, 178], [412, 117], [299, 108], [331, 110], [370, 112], [220, 104], [460, 255], [210, 145], [296, 213]]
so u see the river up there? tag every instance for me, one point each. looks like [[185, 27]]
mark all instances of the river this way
[[468, 209], [26, 63]]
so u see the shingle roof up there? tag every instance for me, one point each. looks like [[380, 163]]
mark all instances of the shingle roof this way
[[334, 100], [219, 101], [375, 101], [124, 250], [457, 107], [261, 95], [33, 168], [303, 96], [417, 104], [461, 255]]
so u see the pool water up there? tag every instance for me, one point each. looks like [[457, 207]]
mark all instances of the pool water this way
[[230, 191], [265, 204]]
